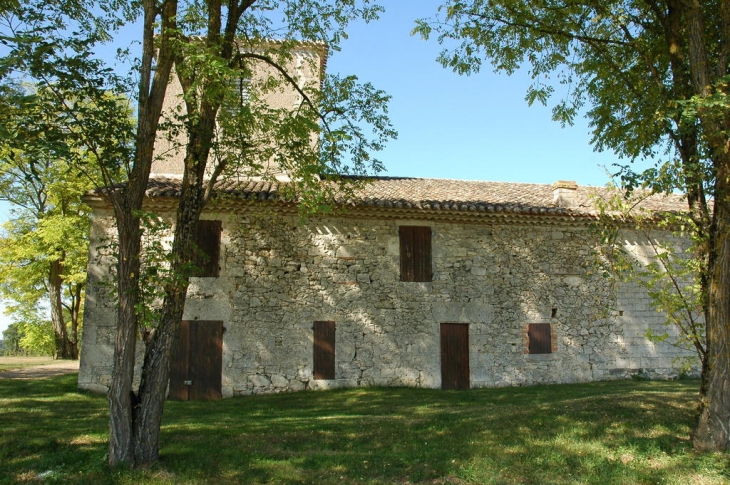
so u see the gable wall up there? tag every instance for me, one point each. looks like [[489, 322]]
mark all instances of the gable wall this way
[[279, 276]]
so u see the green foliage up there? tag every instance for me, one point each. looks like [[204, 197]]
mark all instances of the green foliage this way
[[60, 100], [38, 337], [29, 336], [53, 45], [29, 245], [652, 79], [156, 270], [624, 64], [156, 275], [11, 339], [48, 225], [55, 41], [335, 126]]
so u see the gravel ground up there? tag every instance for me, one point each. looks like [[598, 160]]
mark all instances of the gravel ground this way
[[47, 369]]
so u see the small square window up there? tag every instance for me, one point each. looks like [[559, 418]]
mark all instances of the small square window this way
[[539, 338]]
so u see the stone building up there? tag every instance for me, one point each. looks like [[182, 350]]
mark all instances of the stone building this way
[[417, 282]]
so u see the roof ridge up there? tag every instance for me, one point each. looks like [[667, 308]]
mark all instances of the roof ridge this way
[[429, 195], [403, 177]]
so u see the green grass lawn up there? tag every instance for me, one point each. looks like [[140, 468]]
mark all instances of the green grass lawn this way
[[621, 432]]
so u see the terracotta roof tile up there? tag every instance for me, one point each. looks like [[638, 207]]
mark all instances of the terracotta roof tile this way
[[441, 195], [444, 194]]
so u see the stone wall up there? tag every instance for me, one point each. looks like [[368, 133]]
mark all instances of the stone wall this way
[[278, 276]]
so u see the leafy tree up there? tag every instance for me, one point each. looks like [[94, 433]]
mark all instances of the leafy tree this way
[[37, 335], [30, 334], [211, 44], [667, 269], [215, 44], [44, 250], [653, 77], [11, 339]]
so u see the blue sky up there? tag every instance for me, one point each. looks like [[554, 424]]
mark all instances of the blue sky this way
[[475, 127], [456, 127]]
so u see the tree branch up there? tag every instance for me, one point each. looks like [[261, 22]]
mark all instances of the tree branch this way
[[543, 30], [289, 79]]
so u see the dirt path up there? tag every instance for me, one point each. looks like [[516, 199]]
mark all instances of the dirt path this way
[[54, 368]]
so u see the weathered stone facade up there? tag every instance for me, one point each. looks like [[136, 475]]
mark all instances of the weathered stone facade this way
[[496, 274]]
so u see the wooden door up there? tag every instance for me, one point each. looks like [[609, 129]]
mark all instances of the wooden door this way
[[195, 371], [454, 356], [324, 350], [180, 364]]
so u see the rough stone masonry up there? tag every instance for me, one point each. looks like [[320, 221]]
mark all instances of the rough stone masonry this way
[[279, 275]]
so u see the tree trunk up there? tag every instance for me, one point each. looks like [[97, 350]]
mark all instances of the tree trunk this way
[[156, 370], [123, 403], [77, 293], [121, 396], [55, 289], [712, 430], [155, 378]]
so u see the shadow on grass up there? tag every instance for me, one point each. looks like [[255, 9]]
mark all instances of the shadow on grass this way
[[49, 428], [608, 433]]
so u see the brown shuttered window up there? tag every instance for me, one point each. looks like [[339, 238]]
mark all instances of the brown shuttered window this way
[[539, 337], [415, 253], [324, 350], [207, 239]]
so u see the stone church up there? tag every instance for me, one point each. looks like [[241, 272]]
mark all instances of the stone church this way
[[418, 282]]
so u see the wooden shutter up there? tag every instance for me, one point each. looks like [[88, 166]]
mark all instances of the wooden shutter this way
[[539, 336], [324, 350], [455, 356], [415, 253], [207, 239]]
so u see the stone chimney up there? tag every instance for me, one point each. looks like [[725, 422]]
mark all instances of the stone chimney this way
[[564, 193]]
